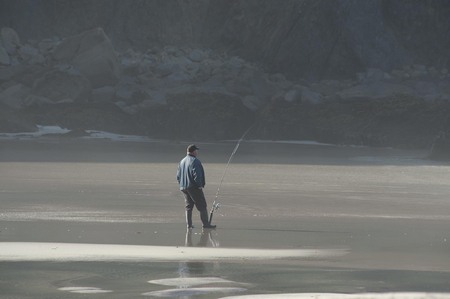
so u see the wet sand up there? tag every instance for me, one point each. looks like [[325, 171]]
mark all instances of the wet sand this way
[[388, 209]]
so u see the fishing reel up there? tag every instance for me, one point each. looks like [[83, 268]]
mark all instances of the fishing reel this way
[[216, 206]]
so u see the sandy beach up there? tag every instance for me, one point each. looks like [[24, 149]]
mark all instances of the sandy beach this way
[[385, 211]]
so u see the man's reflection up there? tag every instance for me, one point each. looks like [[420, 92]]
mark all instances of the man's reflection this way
[[206, 239], [194, 268]]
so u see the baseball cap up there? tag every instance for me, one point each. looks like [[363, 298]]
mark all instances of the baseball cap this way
[[192, 147]]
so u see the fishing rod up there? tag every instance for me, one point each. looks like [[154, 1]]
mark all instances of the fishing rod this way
[[216, 204]]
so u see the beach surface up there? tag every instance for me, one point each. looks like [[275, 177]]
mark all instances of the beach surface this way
[[105, 218]]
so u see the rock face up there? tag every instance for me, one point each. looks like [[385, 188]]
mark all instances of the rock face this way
[[316, 39], [92, 54], [294, 69], [61, 87]]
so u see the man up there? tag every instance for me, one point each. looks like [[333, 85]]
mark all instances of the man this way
[[191, 178]]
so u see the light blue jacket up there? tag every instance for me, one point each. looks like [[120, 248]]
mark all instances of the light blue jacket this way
[[190, 173]]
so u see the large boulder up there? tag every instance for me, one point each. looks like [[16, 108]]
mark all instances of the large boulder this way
[[51, 87], [4, 56], [31, 55], [92, 53], [15, 96], [58, 87], [11, 72], [13, 121], [10, 40]]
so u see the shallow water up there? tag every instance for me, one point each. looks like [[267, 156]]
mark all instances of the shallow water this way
[[130, 280], [388, 209]]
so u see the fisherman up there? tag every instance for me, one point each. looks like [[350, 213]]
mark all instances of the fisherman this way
[[191, 178]]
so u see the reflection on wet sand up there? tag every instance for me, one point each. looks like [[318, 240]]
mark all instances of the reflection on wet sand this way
[[190, 274], [188, 268], [206, 239]]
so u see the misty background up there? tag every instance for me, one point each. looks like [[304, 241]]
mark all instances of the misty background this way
[[372, 73]]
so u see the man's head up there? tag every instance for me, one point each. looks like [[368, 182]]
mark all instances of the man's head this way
[[192, 149]]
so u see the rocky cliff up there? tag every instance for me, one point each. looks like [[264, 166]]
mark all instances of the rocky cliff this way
[[344, 71], [318, 39]]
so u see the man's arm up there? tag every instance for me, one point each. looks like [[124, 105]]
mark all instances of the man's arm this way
[[198, 173]]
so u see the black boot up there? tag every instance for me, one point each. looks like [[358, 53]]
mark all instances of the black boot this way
[[188, 240], [189, 219], [205, 219]]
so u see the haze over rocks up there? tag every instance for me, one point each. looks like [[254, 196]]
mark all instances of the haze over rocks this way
[[81, 82], [84, 81]]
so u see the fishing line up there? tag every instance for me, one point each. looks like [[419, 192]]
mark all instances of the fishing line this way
[[215, 204]]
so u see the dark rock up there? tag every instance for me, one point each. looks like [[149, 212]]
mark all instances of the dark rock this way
[[14, 121], [60, 87], [440, 149], [309, 39], [92, 53]]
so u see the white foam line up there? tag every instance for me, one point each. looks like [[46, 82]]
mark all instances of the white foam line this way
[[116, 137], [34, 251], [301, 142], [192, 292], [84, 290], [399, 295], [42, 130], [190, 281]]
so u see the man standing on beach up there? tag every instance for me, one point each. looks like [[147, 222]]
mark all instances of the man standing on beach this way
[[191, 178]]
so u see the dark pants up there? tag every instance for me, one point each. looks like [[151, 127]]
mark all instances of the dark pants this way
[[194, 196]]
